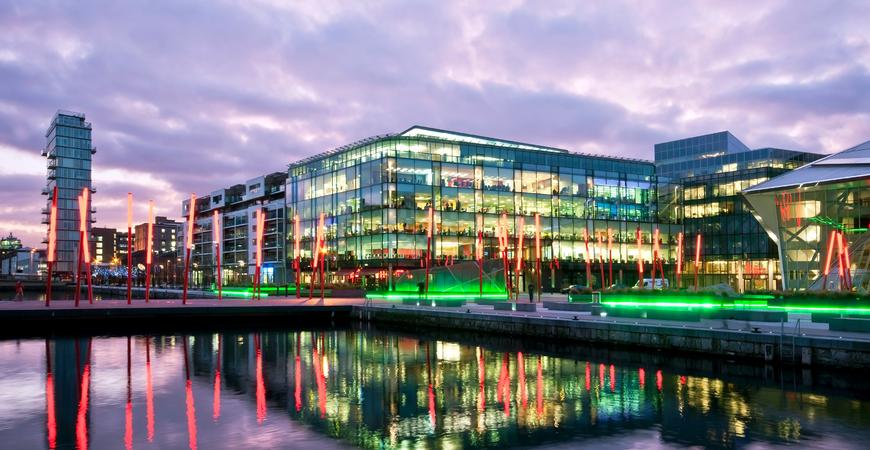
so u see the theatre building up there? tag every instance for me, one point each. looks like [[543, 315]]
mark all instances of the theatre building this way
[[819, 215]]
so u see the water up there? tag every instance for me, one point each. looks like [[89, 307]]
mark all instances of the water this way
[[375, 389]]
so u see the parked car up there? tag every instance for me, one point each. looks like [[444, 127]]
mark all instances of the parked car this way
[[649, 283], [571, 288]]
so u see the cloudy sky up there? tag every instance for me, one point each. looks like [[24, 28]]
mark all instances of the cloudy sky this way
[[196, 95]]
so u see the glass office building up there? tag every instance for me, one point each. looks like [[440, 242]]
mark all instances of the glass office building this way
[[68, 153], [375, 195], [707, 174], [807, 210]]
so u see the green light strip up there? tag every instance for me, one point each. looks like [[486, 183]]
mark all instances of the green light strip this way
[[414, 295]]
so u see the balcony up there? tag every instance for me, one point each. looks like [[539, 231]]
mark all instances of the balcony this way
[[93, 150], [45, 211], [45, 191], [44, 152], [52, 164]]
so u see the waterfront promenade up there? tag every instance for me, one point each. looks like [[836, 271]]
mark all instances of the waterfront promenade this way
[[795, 341]]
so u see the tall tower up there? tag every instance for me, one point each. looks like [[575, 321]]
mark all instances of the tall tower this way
[[68, 151]]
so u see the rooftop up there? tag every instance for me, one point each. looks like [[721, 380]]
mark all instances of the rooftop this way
[[850, 164]]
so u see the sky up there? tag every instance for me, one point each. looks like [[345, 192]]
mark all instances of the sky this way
[[193, 96]]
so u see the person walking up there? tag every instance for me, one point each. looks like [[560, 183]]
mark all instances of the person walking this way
[[19, 290], [531, 288]]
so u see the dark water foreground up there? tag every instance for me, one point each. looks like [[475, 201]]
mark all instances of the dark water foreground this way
[[378, 389]]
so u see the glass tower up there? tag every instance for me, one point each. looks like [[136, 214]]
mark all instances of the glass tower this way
[[68, 151], [708, 173]]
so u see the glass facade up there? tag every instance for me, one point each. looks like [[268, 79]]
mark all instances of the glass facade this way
[[376, 194], [710, 172], [68, 152]]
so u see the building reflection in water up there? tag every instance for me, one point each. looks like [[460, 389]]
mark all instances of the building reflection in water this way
[[379, 390]]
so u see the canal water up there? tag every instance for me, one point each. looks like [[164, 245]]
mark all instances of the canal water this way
[[362, 387]]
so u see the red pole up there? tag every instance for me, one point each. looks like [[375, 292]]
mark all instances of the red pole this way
[[538, 252], [520, 233], [588, 262], [52, 244], [216, 237], [679, 257], [639, 257], [848, 270], [601, 258], [609, 257], [502, 242], [480, 255], [191, 210], [429, 249], [79, 270], [655, 260], [296, 251], [148, 250], [697, 259], [129, 248], [87, 246]]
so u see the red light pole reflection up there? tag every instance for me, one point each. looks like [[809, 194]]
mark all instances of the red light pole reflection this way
[[641, 377], [481, 378], [431, 392], [84, 391], [521, 374], [189, 402], [317, 362], [659, 380], [149, 391], [298, 389], [504, 385], [51, 418], [261, 387], [216, 403], [128, 409], [588, 376], [612, 378], [539, 389]]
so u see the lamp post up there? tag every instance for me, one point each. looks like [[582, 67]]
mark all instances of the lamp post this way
[[503, 246], [609, 257], [261, 223], [639, 257]]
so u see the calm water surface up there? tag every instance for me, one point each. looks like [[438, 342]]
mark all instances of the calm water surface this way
[[374, 389]]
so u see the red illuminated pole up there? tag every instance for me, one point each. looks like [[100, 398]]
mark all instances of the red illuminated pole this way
[[148, 250], [431, 220], [321, 251], [827, 268], [191, 210], [609, 257], [639, 257], [216, 237], [848, 270], [52, 244], [679, 257], [315, 258], [261, 223], [520, 234], [129, 248], [82, 247], [697, 259], [600, 257], [297, 251], [86, 198], [657, 258], [502, 243], [538, 252], [588, 262], [480, 255]]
